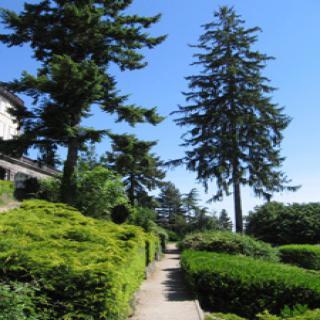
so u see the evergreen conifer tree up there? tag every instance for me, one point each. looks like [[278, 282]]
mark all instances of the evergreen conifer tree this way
[[76, 43], [141, 169], [235, 128], [191, 203], [170, 205], [224, 221]]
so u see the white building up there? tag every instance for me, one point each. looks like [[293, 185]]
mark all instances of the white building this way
[[8, 127]]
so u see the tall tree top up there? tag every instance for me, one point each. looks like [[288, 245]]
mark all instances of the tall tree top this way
[[234, 127], [87, 29]]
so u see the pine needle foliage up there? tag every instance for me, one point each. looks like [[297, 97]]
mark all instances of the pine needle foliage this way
[[235, 129], [84, 268], [141, 169], [76, 44]]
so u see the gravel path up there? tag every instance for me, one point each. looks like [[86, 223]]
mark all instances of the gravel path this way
[[164, 296]]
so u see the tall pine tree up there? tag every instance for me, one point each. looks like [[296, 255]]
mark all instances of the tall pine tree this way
[[142, 170], [235, 128], [76, 43], [170, 206]]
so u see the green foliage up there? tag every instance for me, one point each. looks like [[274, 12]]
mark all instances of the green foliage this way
[[246, 286], [75, 43], [85, 268], [224, 221], [170, 212], [234, 130], [17, 302], [304, 256], [142, 170], [6, 191], [231, 243], [49, 189], [223, 316], [99, 190], [143, 217], [278, 223], [307, 315]]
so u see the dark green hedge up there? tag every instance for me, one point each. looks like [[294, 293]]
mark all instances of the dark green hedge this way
[[231, 243], [279, 224], [305, 256], [85, 268], [309, 315], [246, 286]]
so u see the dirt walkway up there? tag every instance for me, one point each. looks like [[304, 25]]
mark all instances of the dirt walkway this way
[[11, 205], [164, 296]]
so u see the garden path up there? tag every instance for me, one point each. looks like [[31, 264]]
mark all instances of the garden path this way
[[164, 295]]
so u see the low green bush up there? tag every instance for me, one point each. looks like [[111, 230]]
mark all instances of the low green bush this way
[[280, 224], [85, 268], [223, 316], [231, 243], [308, 315], [17, 302], [6, 191], [305, 256], [247, 286]]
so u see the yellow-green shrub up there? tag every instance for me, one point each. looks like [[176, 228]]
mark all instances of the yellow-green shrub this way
[[86, 268]]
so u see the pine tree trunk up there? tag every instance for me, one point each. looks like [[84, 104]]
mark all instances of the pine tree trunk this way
[[237, 206], [237, 197], [68, 187], [131, 191]]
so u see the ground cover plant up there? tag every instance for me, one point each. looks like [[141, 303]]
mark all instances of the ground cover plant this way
[[85, 268], [247, 286], [305, 256], [279, 224], [228, 242]]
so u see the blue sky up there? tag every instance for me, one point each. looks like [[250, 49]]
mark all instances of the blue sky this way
[[291, 33]]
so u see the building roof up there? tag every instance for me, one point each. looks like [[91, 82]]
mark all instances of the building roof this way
[[11, 97]]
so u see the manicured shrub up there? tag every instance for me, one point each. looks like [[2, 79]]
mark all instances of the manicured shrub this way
[[308, 315], [277, 223], [85, 268], [247, 286], [223, 316], [305, 256], [227, 242], [17, 302]]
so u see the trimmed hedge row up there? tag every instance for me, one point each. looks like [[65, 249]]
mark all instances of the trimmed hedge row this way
[[231, 243], [246, 286], [309, 315], [305, 256], [85, 268]]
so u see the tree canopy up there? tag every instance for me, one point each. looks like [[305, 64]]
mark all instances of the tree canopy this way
[[234, 127], [141, 169], [76, 43]]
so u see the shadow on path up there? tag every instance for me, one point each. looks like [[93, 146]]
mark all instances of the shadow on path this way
[[175, 288]]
